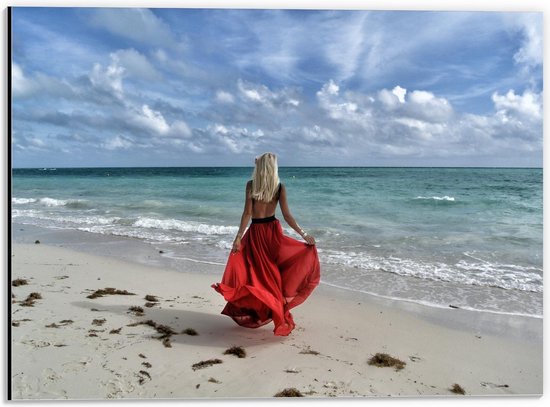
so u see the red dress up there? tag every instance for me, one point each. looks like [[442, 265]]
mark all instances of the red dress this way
[[268, 267]]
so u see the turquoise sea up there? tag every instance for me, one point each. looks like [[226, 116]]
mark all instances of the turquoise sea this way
[[467, 237]]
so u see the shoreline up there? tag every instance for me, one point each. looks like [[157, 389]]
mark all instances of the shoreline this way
[[325, 356], [137, 251]]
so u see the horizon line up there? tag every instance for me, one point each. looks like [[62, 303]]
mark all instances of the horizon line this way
[[280, 166]]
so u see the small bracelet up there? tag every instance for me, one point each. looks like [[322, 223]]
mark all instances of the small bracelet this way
[[304, 234]]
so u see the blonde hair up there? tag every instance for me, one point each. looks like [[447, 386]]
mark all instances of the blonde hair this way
[[265, 177]]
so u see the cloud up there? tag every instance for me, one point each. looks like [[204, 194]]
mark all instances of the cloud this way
[[21, 86], [118, 143], [224, 97], [531, 51], [528, 105], [37, 85], [110, 78], [261, 94], [135, 64], [139, 25]]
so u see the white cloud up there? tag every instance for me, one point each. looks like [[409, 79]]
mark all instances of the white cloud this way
[[529, 104], [117, 143], [109, 78], [261, 94], [135, 64], [140, 25], [38, 84], [224, 97], [152, 120], [400, 93], [21, 86], [531, 51]]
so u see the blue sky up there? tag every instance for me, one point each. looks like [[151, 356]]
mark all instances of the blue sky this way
[[208, 87]]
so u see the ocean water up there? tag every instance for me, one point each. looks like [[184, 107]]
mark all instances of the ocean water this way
[[466, 237]]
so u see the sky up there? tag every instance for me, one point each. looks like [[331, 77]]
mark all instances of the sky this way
[[96, 87]]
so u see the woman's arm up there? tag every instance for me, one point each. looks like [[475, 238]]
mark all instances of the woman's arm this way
[[290, 219], [245, 218]]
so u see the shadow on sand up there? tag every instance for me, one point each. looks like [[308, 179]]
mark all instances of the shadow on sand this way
[[215, 330]]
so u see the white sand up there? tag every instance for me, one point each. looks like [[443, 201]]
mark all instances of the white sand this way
[[344, 330]]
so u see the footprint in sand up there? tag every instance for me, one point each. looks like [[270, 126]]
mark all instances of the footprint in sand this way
[[76, 365], [117, 388], [36, 344]]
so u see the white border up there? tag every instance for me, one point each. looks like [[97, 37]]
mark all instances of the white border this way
[[448, 5]]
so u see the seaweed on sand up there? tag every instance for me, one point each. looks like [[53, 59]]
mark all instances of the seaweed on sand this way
[[385, 360]]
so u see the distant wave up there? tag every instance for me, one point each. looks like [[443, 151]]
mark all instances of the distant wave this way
[[21, 201], [51, 202], [437, 198]]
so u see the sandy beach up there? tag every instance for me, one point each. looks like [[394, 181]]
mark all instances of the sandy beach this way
[[69, 346]]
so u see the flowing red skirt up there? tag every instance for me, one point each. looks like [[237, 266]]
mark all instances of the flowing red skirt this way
[[268, 267]]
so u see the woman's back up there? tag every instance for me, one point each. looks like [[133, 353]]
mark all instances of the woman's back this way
[[261, 209]]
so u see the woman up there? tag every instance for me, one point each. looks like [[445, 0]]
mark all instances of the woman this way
[[267, 273]]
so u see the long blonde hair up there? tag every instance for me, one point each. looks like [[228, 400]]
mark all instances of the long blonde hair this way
[[265, 177]]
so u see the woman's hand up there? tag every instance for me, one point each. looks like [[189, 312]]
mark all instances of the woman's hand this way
[[236, 245], [309, 239]]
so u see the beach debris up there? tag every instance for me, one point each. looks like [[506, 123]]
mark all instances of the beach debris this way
[[414, 358], [61, 277], [141, 355], [309, 351], [115, 331], [165, 330], [146, 364], [151, 298], [108, 291], [58, 345], [161, 251], [289, 392], [137, 310], [197, 386], [196, 296], [29, 301], [453, 306], [457, 389], [150, 304], [205, 363], [149, 322], [212, 380], [98, 322], [62, 322], [92, 334], [143, 374], [189, 331], [37, 242], [19, 281], [487, 384], [292, 370], [385, 360], [236, 350], [18, 321]]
